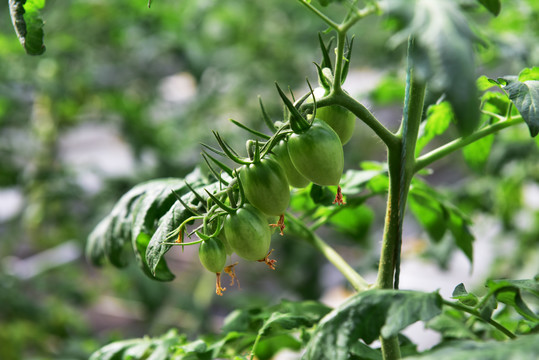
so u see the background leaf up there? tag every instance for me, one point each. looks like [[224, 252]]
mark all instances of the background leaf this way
[[439, 117], [523, 348], [366, 316], [442, 54], [525, 96], [148, 212], [476, 154], [28, 24], [494, 6]]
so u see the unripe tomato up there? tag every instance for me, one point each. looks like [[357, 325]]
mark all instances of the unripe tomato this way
[[248, 233], [341, 120], [295, 179], [266, 186], [317, 154], [224, 240], [212, 255]]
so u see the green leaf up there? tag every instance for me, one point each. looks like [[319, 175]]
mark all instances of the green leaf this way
[[135, 218], [170, 221], [495, 102], [252, 319], [439, 118], [509, 293], [430, 213], [390, 90], [476, 154], [28, 24], [267, 348], [436, 214], [494, 6], [368, 315], [529, 74], [144, 348], [525, 96], [354, 221], [523, 348], [459, 227], [355, 181], [464, 296], [452, 324], [442, 53]]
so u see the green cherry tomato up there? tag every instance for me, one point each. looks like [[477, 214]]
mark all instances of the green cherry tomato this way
[[340, 119], [317, 154], [295, 179], [212, 255], [248, 233], [266, 186]]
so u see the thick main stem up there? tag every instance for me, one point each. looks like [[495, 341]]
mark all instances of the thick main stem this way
[[401, 164]]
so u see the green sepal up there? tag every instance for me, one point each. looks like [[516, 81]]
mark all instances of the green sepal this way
[[248, 129], [221, 204], [225, 168], [322, 79], [347, 57], [265, 116], [326, 59], [297, 122], [229, 151], [185, 205]]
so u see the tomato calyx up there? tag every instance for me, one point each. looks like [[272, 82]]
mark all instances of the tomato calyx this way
[[280, 224], [231, 271], [218, 288], [268, 261], [339, 200]]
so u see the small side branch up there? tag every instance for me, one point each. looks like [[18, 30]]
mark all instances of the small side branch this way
[[356, 280], [436, 154]]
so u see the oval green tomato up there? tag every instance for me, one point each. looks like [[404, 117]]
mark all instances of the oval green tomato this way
[[266, 186], [295, 179], [341, 120], [317, 154], [248, 233], [212, 255]]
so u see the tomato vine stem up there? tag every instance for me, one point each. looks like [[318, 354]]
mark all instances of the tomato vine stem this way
[[356, 280], [476, 313], [444, 150]]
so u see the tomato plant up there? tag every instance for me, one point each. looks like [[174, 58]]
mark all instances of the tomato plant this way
[[446, 109]]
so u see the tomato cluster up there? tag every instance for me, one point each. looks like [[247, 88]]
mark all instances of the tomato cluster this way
[[307, 147]]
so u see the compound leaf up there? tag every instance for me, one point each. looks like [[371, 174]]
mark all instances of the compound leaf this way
[[368, 315], [135, 219], [442, 53], [525, 347]]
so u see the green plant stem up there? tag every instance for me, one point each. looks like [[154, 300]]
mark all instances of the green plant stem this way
[[343, 99], [444, 150], [400, 165], [321, 15], [476, 313], [356, 280], [339, 57]]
